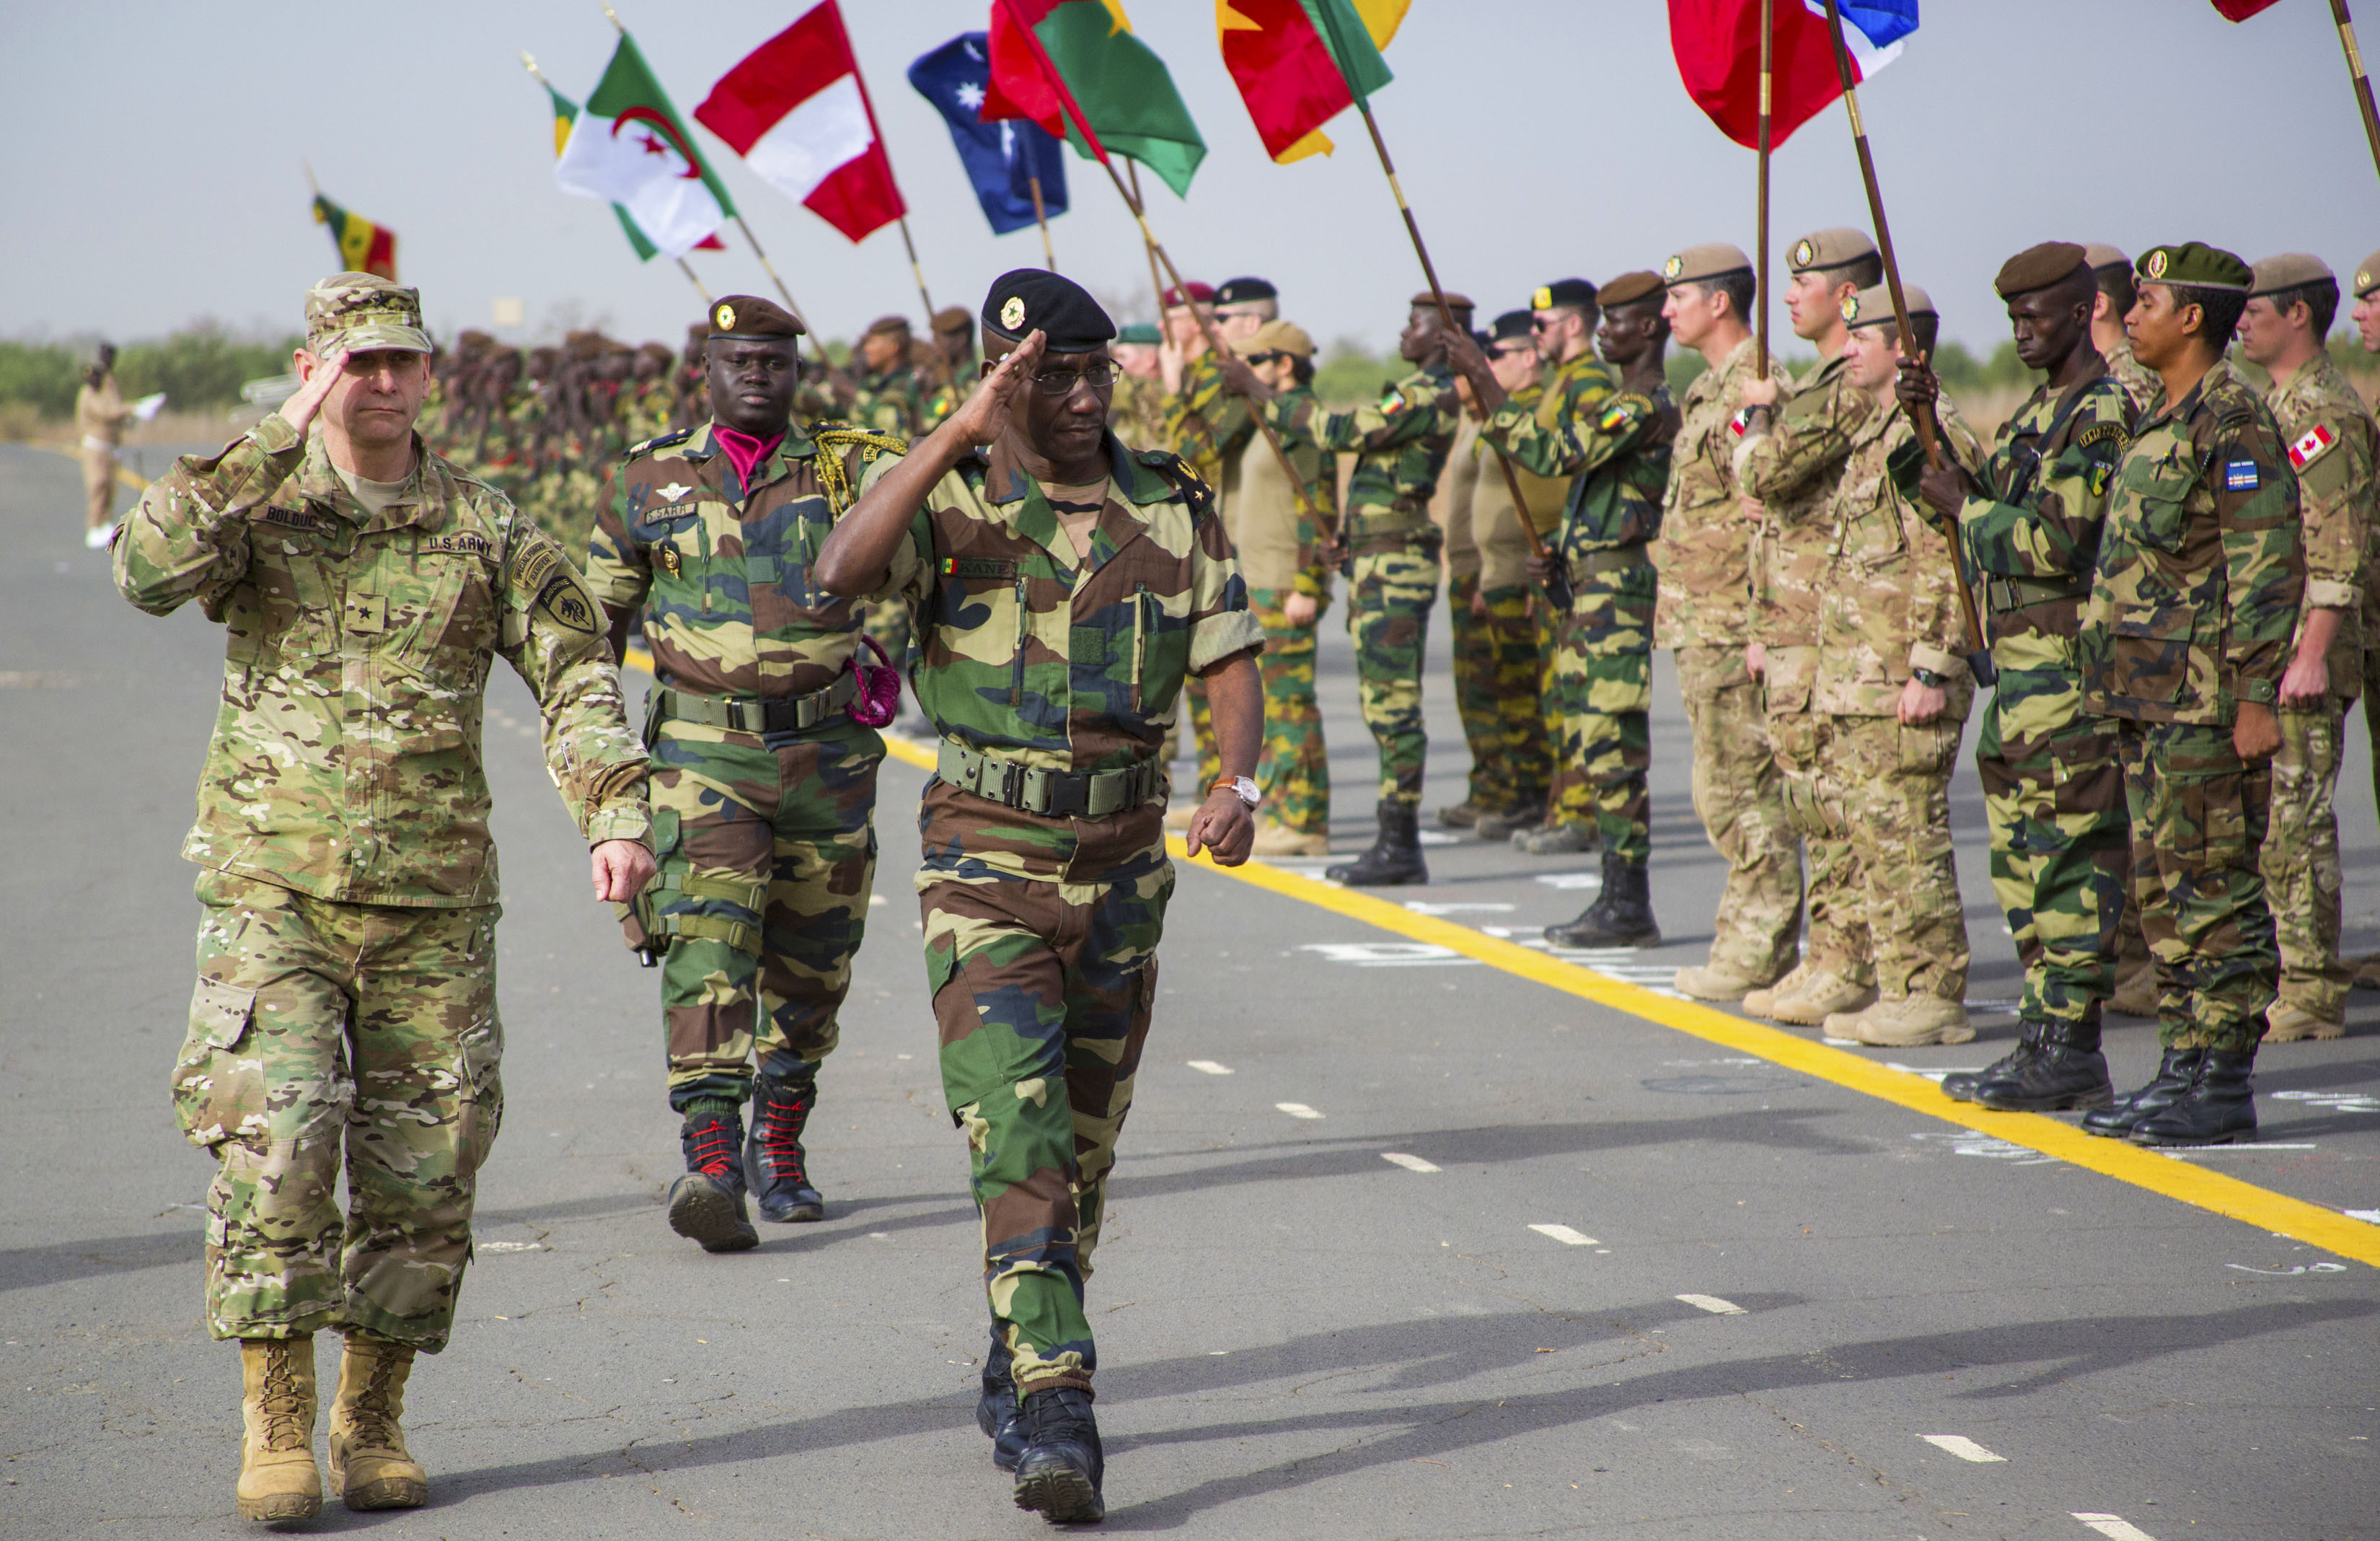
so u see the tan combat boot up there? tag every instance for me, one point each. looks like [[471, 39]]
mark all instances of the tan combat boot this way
[[1762, 1002], [1822, 994], [278, 1479], [1904, 1021], [1723, 981], [2367, 970], [1274, 841], [2288, 1024], [370, 1465]]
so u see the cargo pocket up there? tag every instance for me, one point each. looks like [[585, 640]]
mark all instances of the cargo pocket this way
[[482, 1112], [219, 1090], [2161, 488], [1929, 748]]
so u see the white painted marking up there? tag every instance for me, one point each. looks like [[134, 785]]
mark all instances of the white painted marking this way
[[2115, 1526], [1571, 879], [1975, 1142], [1713, 1304], [2337, 1102], [2293, 1271], [1564, 1234], [1210, 1067], [1437, 837], [1961, 1446], [509, 1246], [875, 900], [1377, 955], [1297, 1110], [1410, 1163], [2370, 1215], [1935, 1075], [1421, 906]]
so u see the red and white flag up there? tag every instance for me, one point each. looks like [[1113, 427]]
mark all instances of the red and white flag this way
[[798, 112]]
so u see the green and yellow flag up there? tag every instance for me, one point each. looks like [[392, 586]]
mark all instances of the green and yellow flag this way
[[363, 246]]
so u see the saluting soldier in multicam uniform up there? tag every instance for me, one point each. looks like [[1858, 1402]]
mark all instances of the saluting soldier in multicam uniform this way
[[1066, 587], [2330, 441], [2185, 642], [2053, 784], [347, 991], [763, 787]]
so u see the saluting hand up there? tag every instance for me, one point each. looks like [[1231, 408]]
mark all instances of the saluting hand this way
[[984, 415], [299, 409]]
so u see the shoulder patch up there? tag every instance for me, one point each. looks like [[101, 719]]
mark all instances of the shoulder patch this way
[[1391, 400], [2241, 476], [546, 580], [2311, 445], [1623, 410], [2099, 433]]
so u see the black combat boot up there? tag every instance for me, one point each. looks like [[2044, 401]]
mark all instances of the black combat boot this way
[[707, 1203], [2219, 1107], [773, 1161], [1395, 857], [996, 1412], [1620, 917], [2066, 1071], [2174, 1074], [1058, 1474], [1959, 1086]]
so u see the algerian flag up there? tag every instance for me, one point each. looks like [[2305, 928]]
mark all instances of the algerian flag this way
[[629, 146]]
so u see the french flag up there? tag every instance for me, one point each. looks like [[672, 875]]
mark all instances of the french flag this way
[[798, 112], [1718, 45]]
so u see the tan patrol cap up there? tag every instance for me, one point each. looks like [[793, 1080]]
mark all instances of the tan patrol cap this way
[[359, 311], [1873, 306], [2099, 254], [1821, 250], [2288, 271], [1283, 336], [1698, 264], [2367, 276]]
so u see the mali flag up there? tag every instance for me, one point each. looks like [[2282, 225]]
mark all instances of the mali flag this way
[[1073, 67], [363, 246], [1301, 63]]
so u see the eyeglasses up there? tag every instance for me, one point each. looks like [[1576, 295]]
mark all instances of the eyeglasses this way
[[1542, 323], [1061, 383], [1272, 358]]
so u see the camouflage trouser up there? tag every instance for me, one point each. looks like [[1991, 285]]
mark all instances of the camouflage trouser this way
[[767, 850], [1499, 679], [1388, 616], [1042, 994], [2370, 706], [1294, 773], [887, 620], [2199, 816], [317, 1028], [2299, 860], [1603, 683], [1838, 940], [1885, 792], [2060, 840], [1740, 799]]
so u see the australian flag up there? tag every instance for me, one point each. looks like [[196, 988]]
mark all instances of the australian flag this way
[[1002, 158]]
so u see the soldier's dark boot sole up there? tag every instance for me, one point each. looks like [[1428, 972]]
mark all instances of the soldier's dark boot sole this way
[[707, 1211], [1581, 933], [1355, 877], [1061, 1495], [2079, 1100]]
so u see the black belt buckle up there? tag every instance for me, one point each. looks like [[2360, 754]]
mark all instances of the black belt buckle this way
[[1070, 795]]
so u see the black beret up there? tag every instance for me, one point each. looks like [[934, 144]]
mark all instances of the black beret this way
[[1511, 325], [749, 317], [1628, 287], [1242, 291], [1562, 291], [1483, 341], [2038, 267], [1027, 300]]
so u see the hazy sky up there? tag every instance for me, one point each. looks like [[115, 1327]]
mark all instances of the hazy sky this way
[[158, 178]]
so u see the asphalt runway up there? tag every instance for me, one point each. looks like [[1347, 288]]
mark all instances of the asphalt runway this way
[[1415, 1233]]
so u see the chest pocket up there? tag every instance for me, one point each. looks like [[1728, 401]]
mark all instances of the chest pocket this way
[[980, 605], [287, 607], [2160, 490], [1875, 538], [443, 614]]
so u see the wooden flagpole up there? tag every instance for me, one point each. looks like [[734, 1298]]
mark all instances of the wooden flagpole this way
[[2363, 82], [1041, 218], [1760, 201], [1156, 284], [529, 63], [918, 274]]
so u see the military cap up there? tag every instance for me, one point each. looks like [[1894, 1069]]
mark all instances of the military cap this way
[[1481, 341], [952, 319], [886, 326], [1628, 288], [1700, 264], [1142, 332], [1027, 300], [1245, 291], [1561, 291], [2195, 264], [749, 318], [2367, 276], [1426, 300], [1821, 250], [2038, 267], [1280, 337], [2099, 254], [1512, 324], [2288, 271], [1873, 306], [1200, 294], [359, 311]]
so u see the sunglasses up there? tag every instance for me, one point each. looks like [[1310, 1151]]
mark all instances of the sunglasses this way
[[1272, 358], [1061, 383]]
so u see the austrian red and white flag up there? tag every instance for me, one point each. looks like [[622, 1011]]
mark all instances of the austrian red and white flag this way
[[798, 112]]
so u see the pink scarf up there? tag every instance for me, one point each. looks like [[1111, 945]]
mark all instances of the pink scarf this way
[[743, 451]]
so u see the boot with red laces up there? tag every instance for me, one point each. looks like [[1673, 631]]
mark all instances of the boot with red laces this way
[[773, 1160], [707, 1203]]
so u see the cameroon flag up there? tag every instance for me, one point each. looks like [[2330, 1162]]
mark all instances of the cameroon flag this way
[[1301, 63], [1073, 67], [363, 246]]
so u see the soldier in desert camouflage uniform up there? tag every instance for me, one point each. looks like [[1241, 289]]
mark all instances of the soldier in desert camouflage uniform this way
[[2366, 314], [1066, 588], [2330, 441], [2185, 642], [347, 990]]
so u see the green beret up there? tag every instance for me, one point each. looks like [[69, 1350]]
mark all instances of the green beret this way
[[1139, 332], [2195, 264], [2038, 267]]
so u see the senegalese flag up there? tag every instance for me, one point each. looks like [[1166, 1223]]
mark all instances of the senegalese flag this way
[[565, 113], [1073, 67], [363, 246], [1301, 63]]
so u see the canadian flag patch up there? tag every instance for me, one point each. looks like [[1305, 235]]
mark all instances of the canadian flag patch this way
[[2309, 448]]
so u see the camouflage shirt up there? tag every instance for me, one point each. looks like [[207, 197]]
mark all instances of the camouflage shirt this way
[[1613, 444], [892, 402], [1137, 412], [1272, 531], [2195, 595], [2140, 382], [1200, 418], [1704, 553], [346, 761], [1890, 604], [1400, 447], [1793, 468], [721, 572], [2330, 442]]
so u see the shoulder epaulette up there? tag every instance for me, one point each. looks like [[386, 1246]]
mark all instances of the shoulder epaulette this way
[[659, 441], [1180, 477]]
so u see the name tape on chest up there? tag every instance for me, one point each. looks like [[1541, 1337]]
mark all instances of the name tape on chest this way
[[979, 566], [2311, 445], [294, 518], [2241, 476]]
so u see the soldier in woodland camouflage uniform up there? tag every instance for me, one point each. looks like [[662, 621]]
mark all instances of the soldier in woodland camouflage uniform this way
[[764, 789], [954, 339], [1791, 460], [1066, 588], [1703, 612], [2185, 642], [347, 990], [2053, 784], [1400, 446], [1893, 684], [2330, 441], [890, 398]]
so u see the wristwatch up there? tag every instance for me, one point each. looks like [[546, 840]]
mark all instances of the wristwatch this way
[[1928, 678], [1240, 785]]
